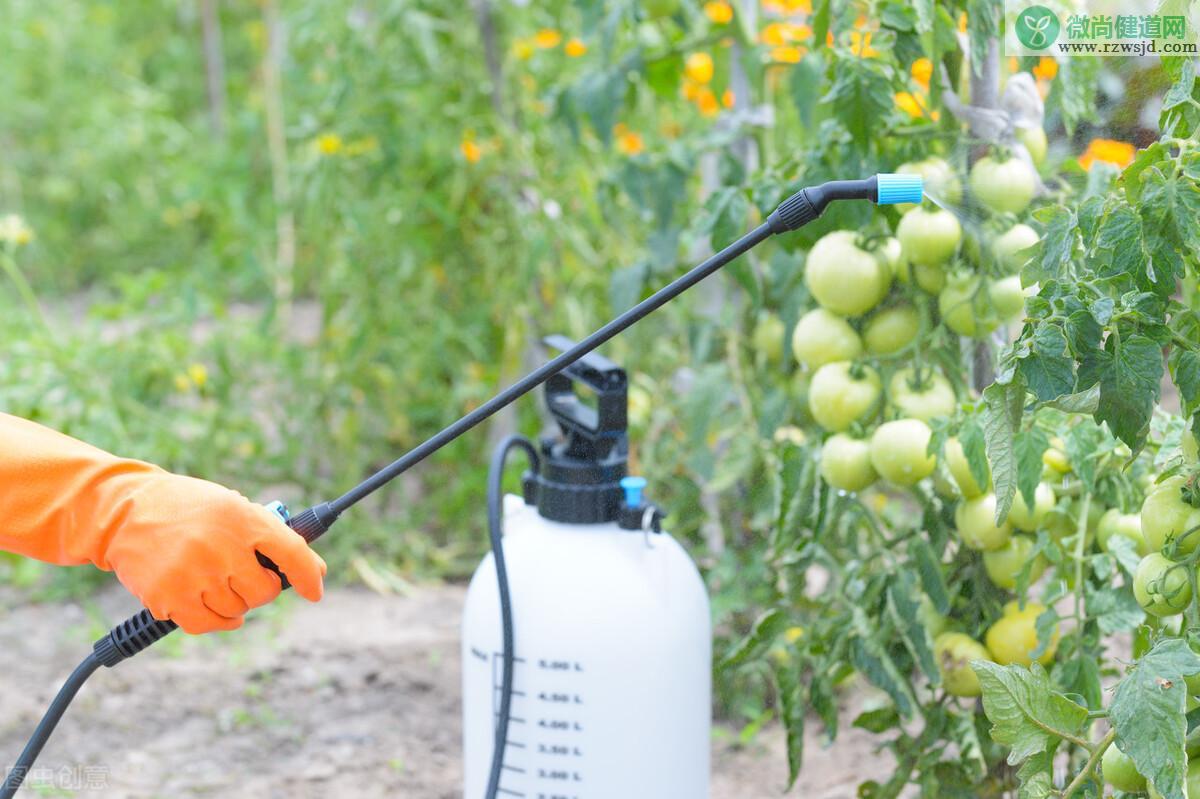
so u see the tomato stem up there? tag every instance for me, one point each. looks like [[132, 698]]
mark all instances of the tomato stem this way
[[1089, 768]]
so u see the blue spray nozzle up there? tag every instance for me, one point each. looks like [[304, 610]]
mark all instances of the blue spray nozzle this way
[[897, 188], [632, 486]]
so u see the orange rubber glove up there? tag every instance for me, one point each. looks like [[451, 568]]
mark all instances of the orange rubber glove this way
[[184, 547]]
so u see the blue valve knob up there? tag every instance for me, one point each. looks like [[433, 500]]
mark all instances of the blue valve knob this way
[[280, 510], [899, 188], [632, 486]]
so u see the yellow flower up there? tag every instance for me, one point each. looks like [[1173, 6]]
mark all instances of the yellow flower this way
[[706, 101], [522, 49], [915, 105], [630, 143], [962, 22], [787, 55], [727, 98], [793, 634], [689, 89], [1118, 153], [13, 230], [182, 383], [547, 38], [773, 35], [922, 71], [1046, 69], [575, 48], [860, 22], [719, 11], [860, 44], [198, 374], [470, 150], [699, 67], [328, 144]]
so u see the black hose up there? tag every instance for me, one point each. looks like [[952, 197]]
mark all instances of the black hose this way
[[46, 727], [495, 513]]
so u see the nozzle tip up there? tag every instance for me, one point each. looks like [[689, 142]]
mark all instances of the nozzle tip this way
[[898, 188]]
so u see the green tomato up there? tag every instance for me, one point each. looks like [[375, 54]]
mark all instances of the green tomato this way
[[1119, 771], [767, 338], [1013, 637], [1003, 187], [1004, 564], [846, 463], [960, 470], [966, 308], [1054, 457], [976, 523], [822, 337], [930, 279], [1127, 525], [898, 451], [891, 329], [954, 653], [1007, 247], [926, 399], [1160, 588], [1008, 298], [841, 395], [928, 238], [1035, 142], [1166, 517], [844, 278], [1191, 451], [1030, 519], [939, 179]]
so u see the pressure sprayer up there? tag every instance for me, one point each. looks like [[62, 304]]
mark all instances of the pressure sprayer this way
[[605, 677]]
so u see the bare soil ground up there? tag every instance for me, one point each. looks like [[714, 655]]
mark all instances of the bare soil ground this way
[[355, 697]]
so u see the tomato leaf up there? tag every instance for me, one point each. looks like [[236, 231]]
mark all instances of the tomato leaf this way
[[930, 573], [1037, 776], [1003, 406], [1112, 609], [791, 711], [1027, 715], [904, 605], [1185, 371], [766, 629], [860, 96], [1147, 711], [1130, 383], [1056, 247], [1029, 446], [1132, 176], [871, 659], [1124, 551], [1047, 368], [974, 446]]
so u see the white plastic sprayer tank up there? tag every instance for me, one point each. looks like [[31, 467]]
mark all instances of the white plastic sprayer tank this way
[[612, 682]]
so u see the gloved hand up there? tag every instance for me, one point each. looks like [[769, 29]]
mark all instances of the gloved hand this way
[[184, 547]]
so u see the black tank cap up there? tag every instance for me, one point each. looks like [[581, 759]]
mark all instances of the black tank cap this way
[[580, 481]]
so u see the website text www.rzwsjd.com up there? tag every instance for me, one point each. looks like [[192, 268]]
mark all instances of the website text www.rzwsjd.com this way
[[1125, 48]]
